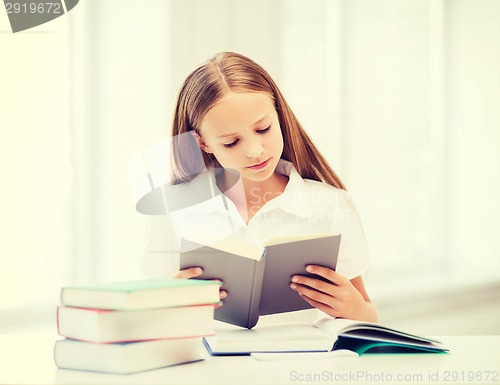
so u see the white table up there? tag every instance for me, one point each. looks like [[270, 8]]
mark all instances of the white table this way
[[27, 359]]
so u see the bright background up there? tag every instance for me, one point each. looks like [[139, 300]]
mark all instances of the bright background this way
[[402, 97]]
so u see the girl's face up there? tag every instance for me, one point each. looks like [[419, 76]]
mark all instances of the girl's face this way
[[242, 131]]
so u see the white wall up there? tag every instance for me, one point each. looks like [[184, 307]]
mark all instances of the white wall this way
[[402, 97], [122, 101], [35, 166]]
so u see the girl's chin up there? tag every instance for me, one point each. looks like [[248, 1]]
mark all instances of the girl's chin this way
[[252, 176]]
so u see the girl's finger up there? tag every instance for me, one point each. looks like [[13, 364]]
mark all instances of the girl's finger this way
[[316, 284], [313, 294], [321, 306], [329, 274], [222, 295], [189, 273]]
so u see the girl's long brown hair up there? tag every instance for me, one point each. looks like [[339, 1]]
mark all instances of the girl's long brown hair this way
[[205, 86]]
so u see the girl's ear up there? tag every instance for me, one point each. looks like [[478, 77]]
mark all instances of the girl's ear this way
[[202, 143]]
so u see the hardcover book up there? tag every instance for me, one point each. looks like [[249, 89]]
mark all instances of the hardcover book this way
[[108, 326], [257, 278], [141, 294], [126, 358]]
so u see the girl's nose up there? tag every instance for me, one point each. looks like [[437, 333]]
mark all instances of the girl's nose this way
[[254, 149]]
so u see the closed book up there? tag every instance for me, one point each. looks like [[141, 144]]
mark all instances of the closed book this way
[[107, 326], [141, 294], [129, 357], [289, 337]]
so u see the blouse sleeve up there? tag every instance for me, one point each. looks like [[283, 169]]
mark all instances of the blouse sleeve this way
[[161, 253], [353, 259]]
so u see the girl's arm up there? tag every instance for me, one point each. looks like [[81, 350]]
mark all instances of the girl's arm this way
[[194, 272], [161, 254], [160, 257], [340, 297]]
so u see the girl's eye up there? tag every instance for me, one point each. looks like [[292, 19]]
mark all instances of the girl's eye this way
[[232, 144]]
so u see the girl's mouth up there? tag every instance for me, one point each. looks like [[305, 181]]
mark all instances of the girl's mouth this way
[[260, 165]]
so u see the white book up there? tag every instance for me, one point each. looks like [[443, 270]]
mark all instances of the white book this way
[[107, 326], [126, 358], [290, 337]]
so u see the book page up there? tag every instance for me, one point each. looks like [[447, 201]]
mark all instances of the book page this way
[[231, 245], [243, 248], [336, 326], [239, 247], [369, 330], [294, 238]]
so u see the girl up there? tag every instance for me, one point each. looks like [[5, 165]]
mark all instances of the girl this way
[[272, 179]]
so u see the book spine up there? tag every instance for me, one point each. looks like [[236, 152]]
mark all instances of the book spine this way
[[258, 276], [57, 321]]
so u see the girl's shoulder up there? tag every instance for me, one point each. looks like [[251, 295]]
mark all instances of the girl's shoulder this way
[[314, 186], [324, 194], [312, 193]]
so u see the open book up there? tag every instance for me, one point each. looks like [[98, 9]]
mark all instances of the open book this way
[[257, 278], [325, 335]]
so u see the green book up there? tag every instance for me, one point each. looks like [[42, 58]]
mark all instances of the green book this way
[[142, 294]]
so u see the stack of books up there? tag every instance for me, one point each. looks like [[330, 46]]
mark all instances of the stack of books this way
[[129, 327]]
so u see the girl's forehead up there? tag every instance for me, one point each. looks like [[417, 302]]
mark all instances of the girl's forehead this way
[[238, 109]]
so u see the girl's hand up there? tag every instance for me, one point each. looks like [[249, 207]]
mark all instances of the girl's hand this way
[[194, 272], [337, 298], [189, 273]]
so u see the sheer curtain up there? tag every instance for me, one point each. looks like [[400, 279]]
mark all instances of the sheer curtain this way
[[401, 97], [35, 162]]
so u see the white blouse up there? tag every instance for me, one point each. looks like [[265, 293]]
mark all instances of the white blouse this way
[[305, 207]]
